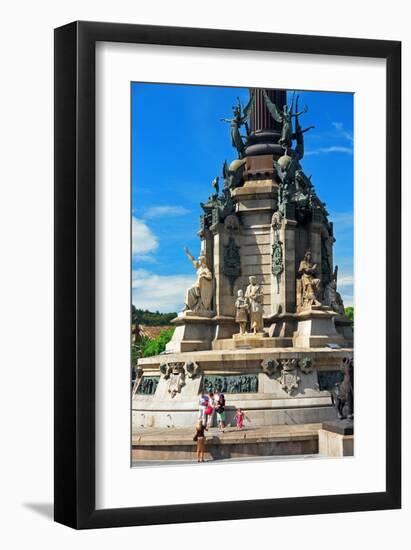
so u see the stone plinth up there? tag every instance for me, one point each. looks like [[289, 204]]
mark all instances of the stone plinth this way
[[194, 332], [344, 327], [316, 328], [274, 402], [335, 444], [246, 341]]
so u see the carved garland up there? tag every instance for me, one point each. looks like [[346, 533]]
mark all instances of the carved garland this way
[[287, 371], [231, 262], [277, 263]]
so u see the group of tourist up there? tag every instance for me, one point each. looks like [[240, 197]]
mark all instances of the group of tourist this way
[[210, 403]]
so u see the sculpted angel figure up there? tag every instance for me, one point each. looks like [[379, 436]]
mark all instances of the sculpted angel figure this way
[[239, 119], [284, 117], [299, 133], [198, 297], [310, 285]]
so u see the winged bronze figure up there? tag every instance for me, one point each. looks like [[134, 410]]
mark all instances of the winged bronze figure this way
[[283, 117], [241, 115]]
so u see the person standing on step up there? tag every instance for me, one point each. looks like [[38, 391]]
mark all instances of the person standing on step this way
[[202, 405], [200, 439], [209, 410], [220, 410]]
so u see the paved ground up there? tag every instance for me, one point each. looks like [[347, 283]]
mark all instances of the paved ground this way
[[139, 463]]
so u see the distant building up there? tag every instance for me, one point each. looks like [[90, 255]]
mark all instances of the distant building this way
[[147, 331]]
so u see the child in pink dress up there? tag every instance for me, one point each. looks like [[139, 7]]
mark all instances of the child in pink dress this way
[[239, 416]]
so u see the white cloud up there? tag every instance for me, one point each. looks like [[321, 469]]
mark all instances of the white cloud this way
[[342, 220], [348, 299], [338, 134], [158, 211], [339, 126], [345, 279], [332, 149], [143, 239], [164, 293]]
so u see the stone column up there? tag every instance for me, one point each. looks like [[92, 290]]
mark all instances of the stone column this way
[[260, 117], [315, 245], [207, 247], [224, 302], [224, 294]]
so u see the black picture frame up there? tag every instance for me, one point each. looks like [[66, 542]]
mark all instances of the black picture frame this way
[[74, 427]]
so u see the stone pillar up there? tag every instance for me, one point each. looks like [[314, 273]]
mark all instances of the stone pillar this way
[[207, 247], [315, 245], [260, 116], [224, 299], [256, 202], [225, 286], [290, 262]]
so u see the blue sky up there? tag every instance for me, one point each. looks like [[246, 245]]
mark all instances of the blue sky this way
[[178, 147]]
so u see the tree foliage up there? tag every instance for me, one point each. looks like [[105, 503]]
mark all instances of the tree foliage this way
[[157, 345], [151, 318], [349, 313], [137, 348]]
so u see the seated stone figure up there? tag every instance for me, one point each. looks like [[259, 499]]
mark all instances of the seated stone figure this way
[[310, 285], [198, 298]]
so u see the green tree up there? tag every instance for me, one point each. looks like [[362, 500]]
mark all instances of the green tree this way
[[157, 345], [151, 318], [349, 313], [137, 349]]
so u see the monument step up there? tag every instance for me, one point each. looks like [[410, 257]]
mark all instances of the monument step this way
[[178, 444]]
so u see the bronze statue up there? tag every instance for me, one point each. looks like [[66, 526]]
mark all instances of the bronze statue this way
[[332, 297], [299, 133], [343, 394], [284, 117], [237, 122]]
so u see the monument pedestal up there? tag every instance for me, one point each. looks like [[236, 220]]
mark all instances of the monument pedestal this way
[[287, 385], [194, 332], [316, 328], [336, 438], [266, 233], [250, 340], [344, 327]]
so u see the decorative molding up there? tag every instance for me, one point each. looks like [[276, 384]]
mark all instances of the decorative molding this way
[[232, 224], [306, 365], [270, 366], [176, 376], [192, 369], [231, 262], [289, 378], [277, 262]]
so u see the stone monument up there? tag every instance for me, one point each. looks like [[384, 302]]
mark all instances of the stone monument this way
[[264, 322]]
